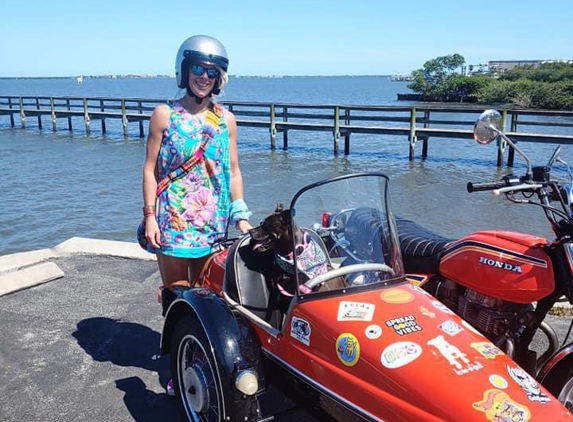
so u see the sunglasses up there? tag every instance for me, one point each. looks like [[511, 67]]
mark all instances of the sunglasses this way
[[198, 70]]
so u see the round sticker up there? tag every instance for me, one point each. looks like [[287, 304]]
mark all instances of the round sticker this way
[[373, 332], [396, 296], [347, 349], [498, 381], [400, 354]]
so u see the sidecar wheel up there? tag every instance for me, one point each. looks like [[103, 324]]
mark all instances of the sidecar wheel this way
[[196, 377]]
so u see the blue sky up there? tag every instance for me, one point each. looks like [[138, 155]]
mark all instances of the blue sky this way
[[293, 37]]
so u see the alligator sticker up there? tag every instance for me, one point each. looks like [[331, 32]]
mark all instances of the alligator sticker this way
[[486, 349], [373, 332], [498, 406], [347, 349], [529, 384], [450, 327], [300, 330], [400, 354], [404, 325], [396, 296], [355, 311], [455, 356]]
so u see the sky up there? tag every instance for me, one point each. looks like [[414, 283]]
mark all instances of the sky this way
[[45, 38]]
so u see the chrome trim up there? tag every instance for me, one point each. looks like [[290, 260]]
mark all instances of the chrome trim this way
[[349, 405], [254, 318]]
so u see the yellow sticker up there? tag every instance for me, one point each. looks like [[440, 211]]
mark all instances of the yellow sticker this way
[[347, 349]]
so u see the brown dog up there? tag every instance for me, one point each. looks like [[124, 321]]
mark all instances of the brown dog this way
[[275, 234]]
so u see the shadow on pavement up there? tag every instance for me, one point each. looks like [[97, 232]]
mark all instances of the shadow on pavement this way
[[129, 344]]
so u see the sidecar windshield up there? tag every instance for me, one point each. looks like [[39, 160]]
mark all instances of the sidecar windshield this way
[[348, 231]]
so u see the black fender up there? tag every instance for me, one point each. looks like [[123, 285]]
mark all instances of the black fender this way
[[232, 339], [557, 370]]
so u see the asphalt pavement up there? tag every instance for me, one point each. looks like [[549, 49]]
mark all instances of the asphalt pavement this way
[[83, 345]]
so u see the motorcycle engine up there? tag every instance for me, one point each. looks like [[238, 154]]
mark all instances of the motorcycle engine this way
[[490, 315]]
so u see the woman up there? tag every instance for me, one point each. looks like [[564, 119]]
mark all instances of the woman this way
[[193, 211]]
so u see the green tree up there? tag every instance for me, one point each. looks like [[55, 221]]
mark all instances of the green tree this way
[[435, 72]]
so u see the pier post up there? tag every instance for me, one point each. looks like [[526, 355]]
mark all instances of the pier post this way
[[102, 108], [86, 115], [11, 114], [273, 128], [68, 106], [336, 129], [39, 114], [22, 114], [285, 132], [140, 111], [346, 133], [53, 113], [124, 117], [512, 128], [412, 137], [500, 141], [425, 138]]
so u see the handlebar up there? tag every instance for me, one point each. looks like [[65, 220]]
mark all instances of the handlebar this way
[[508, 180]]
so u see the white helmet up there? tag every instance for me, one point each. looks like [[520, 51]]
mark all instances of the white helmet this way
[[199, 48]]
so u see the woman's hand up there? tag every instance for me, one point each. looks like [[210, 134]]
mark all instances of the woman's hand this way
[[244, 226], [152, 233]]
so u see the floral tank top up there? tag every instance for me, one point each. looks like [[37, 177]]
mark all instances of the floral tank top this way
[[193, 212]]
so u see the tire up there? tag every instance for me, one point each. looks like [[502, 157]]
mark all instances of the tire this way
[[566, 394], [560, 383], [196, 376]]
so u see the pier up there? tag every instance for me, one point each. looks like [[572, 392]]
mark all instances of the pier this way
[[416, 123]]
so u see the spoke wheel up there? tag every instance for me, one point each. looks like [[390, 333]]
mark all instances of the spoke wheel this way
[[566, 395], [195, 374]]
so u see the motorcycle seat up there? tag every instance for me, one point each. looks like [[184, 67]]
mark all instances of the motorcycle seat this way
[[421, 248]]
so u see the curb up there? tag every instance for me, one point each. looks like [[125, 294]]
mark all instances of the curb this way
[[27, 269]]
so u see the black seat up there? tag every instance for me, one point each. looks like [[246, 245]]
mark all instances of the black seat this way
[[421, 248], [245, 280]]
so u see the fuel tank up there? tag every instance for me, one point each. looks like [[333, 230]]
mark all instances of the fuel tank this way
[[506, 265]]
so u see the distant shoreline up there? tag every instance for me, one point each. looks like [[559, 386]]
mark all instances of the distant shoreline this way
[[173, 77]]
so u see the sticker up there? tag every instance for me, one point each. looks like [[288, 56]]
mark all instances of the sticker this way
[[471, 328], [498, 406], [400, 354], [373, 332], [396, 296], [355, 311], [441, 307], [487, 350], [427, 312], [347, 349], [498, 381], [450, 327], [300, 330], [455, 357], [404, 325], [528, 383]]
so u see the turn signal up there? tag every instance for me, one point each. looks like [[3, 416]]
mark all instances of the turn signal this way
[[246, 382]]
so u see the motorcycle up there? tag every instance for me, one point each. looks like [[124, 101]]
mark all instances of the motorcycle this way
[[375, 348], [503, 283]]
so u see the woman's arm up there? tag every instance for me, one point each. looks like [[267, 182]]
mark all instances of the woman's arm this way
[[236, 175], [157, 125]]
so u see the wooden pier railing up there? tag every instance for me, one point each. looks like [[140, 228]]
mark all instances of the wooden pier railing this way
[[418, 123]]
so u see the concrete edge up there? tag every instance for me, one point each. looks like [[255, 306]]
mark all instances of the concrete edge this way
[[27, 269]]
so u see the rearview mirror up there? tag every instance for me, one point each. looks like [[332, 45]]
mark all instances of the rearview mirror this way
[[488, 127]]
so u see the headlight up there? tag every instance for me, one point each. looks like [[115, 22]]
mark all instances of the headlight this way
[[247, 382]]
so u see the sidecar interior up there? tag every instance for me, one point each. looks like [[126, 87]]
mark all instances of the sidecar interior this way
[[247, 280]]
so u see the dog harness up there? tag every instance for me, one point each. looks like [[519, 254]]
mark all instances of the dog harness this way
[[310, 259]]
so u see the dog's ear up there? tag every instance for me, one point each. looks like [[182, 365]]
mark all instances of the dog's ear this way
[[285, 216], [280, 207]]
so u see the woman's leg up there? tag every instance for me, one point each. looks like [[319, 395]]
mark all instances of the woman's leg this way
[[180, 271]]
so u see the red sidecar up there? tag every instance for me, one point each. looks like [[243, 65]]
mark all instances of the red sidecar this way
[[380, 348]]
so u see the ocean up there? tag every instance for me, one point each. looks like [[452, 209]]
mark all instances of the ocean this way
[[60, 184]]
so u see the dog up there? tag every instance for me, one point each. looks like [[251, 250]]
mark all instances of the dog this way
[[275, 233]]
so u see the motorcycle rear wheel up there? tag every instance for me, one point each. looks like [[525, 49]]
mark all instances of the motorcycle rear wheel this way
[[566, 394]]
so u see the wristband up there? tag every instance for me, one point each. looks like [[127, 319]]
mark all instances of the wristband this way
[[239, 211]]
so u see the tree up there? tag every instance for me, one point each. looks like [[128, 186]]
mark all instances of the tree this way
[[435, 73]]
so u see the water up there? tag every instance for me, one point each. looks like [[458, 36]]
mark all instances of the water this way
[[59, 185]]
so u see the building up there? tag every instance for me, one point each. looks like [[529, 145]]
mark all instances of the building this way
[[501, 66]]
